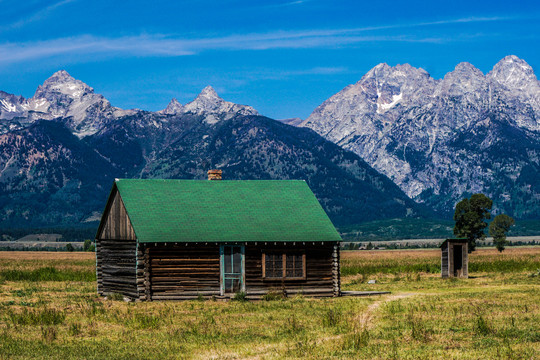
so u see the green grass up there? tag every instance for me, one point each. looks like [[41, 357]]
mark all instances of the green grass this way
[[45, 316], [492, 315], [48, 273]]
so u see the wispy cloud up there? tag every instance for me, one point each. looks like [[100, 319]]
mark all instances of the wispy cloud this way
[[36, 16], [287, 3], [170, 46]]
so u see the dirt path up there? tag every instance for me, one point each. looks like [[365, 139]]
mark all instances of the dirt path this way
[[365, 320]]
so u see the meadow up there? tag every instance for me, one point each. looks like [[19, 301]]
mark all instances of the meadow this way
[[49, 309]]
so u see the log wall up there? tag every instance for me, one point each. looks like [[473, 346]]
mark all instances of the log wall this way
[[183, 271], [187, 271], [116, 252], [321, 279], [444, 261], [159, 271]]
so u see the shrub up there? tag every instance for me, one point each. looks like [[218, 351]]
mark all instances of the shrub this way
[[332, 317], [481, 327], [145, 321], [357, 340], [75, 329], [37, 317], [49, 333], [115, 297], [273, 295], [240, 296]]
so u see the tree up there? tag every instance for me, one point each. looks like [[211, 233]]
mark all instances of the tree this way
[[470, 216], [87, 244], [498, 229], [69, 247]]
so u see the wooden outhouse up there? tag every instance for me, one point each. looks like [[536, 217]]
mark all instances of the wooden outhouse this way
[[455, 258], [181, 239]]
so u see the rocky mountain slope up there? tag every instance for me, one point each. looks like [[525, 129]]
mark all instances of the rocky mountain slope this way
[[57, 164], [439, 140]]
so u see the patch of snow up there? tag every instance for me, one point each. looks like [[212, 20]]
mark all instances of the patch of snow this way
[[85, 133], [383, 107], [7, 106]]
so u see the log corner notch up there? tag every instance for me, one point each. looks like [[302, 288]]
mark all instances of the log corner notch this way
[[336, 271]]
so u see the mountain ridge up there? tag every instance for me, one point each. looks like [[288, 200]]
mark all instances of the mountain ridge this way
[[421, 132]]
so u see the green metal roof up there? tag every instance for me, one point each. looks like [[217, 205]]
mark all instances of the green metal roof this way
[[224, 211]]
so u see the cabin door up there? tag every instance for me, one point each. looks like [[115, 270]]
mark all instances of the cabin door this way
[[232, 269]]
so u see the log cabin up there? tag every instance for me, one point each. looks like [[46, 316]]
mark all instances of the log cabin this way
[[183, 239]]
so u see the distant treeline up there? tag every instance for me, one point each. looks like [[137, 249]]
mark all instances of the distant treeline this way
[[396, 229], [69, 234], [425, 245]]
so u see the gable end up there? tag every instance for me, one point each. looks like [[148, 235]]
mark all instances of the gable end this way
[[115, 223]]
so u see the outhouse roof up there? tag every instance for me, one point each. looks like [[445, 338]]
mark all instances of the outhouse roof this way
[[224, 211], [455, 240]]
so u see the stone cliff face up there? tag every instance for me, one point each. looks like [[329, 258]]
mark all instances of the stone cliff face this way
[[439, 140]]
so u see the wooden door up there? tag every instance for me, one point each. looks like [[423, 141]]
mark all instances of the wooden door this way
[[232, 269]]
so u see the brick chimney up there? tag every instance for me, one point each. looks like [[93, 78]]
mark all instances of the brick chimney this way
[[214, 174]]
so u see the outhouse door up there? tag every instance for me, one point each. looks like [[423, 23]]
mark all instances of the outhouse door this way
[[458, 261], [232, 264]]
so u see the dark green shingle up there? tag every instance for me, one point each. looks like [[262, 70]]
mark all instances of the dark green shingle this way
[[224, 211]]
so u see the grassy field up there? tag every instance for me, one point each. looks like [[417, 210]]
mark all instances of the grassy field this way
[[49, 309]]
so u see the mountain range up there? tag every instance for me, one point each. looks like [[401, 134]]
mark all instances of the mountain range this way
[[58, 159], [440, 140], [397, 143]]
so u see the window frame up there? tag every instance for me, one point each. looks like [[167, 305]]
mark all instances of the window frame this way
[[284, 265]]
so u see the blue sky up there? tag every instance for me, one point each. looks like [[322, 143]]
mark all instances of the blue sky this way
[[282, 57]]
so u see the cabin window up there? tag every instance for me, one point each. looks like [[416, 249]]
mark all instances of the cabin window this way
[[278, 265]]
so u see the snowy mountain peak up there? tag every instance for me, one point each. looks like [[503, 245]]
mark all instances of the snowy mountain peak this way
[[465, 78], [209, 93], [174, 107], [465, 68], [62, 82], [60, 76], [400, 70], [209, 103], [513, 72], [381, 66]]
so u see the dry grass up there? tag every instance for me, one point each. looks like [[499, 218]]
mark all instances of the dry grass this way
[[46, 256], [32, 260], [491, 316], [428, 261], [379, 256]]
